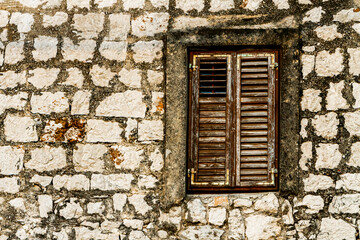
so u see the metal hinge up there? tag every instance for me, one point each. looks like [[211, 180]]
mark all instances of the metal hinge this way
[[275, 65], [190, 65], [273, 171]]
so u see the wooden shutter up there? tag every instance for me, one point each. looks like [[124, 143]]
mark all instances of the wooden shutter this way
[[256, 120], [210, 120]]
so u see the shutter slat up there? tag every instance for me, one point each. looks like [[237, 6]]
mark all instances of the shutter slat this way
[[254, 139], [212, 100], [212, 120], [254, 120], [255, 152], [253, 145], [254, 75], [209, 107], [211, 145], [255, 87], [255, 63], [251, 171], [254, 82], [209, 126], [254, 113], [254, 100], [254, 126], [214, 133], [253, 107], [254, 70], [212, 113], [254, 132], [253, 165]]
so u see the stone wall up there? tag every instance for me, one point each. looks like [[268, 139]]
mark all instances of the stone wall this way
[[82, 121]]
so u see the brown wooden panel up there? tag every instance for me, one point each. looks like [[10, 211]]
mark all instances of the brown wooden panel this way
[[212, 100], [210, 126], [253, 132], [253, 145], [254, 152], [213, 133], [254, 70], [216, 107], [254, 165], [212, 120], [254, 126], [254, 113], [254, 63], [251, 171], [254, 82], [254, 100], [245, 107], [255, 87], [254, 139], [212, 113], [254, 120], [211, 145], [254, 75]]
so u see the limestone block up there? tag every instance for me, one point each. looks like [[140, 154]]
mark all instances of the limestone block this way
[[23, 21], [111, 182], [80, 103], [4, 18], [196, 211], [95, 208], [304, 123], [201, 232], [328, 33], [155, 78], [82, 51], [347, 15], [313, 15], [329, 64], [349, 181], [131, 78], [18, 204], [356, 94], [306, 155], [313, 203], [131, 129], [221, 5], [126, 157], [113, 50], [105, 3], [157, 160], [160, 3], [317, 182], [42, 180], [9, 184], [355, 155], [174, 217], [42, 78], [187, 22], [347, 203], [334, 97], [89, 25], [253, 4], [267, 203], [356, 27], [352, 123], [75, 78], [83, 233], [262, 227], [47, 159], [308, 49], [157, 100], [110, 226], [326, 125], [242, 203], [236, 225], [103, 131], [139, 203], [281, 4], [129, 4], [54, 20], [45, 205], [101, 76], [20, 129], [328, 156], [134, 223], [119, 201], [335, 229], [287, 213], [71, 183], [147, 51], [127, 104], [150, 130], [89, 157], [119, 26], [137, 235], [147, 181], [311, 100], [14, 52], [354, 61], [78, 3], [48, 102], [71, 210], [45, 48], [188, 5], [217, 216], [11, 160], [10, 79], [150, 24], [17, 101], [308, 64]]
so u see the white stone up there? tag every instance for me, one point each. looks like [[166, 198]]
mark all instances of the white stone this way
[[137, 235], [335, 229], [131, 128], [308, 64], [243, 202], [157, 100], [111, 182], [62, 235], [313, 203], [308, 49], [356, 94], [101, 76], [4, 18], [80, 103], [45, 48], [326, 125], [133, 223], [17, 101], [162, 234], [75, 77], [18, 204], [150, 24], [14, 52], [127, 104], [83, 51], [71, 210], [157, 160], [187, 22], [10, 79], [55, 20], [113, 50], [201, 232], [78, 3], [71, 183], [355, 155], [253, 4], [42, 180], [313, 15], [105, 3], [334, 97], [43, 3], [150, 130], [196, 211], [119, 26], [23, 21], [268, 203], [349, 181], [48, 102], [304, 123], [328, 33], [356, 27], [45, 205], [155, 78], [306, 155], [110, 226], [147, 51], [329, 64], [236, 225], [89, 25], [9, 184], [347, 203], [317, 182], [147, 181], [160, 3], [287, 213], [221, 5], [174, 217], [42, 78], [20, 129], [103, 131], [352, 123], [129, 4], [188, 5], [311, 100], [119, 201], [139, 203], [95, 208], [89, 157], [127, 157], [11, 160], [83, 233], [217, 216], [47, 159], [347, 15], [131, 78], [281, 4], [354, 61], [262, 227]]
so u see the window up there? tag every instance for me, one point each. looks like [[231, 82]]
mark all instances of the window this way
[[233, 120]]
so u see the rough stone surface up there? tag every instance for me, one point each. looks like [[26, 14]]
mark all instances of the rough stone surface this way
[[71, 210], [317, 182], [129, 4], [313, 203], [113, 50], [157, 160], [14, 52], [268, 203], [101, 76], [80, 103], [119, 201], [119, 26], [11, 160], [17, 101], [311, 100], [151, 130], [89, 25], [326, 125], [126, 157], [75, 78], [217, 216], [328, 156], [89, 157], [352, 123], [47, 103], [334, 97], [71, 182], [328, 33], [55, 20], [188, 5], [306, 155], [11, 79], [45, 48], [334, 229], [42, 78], [347, 203], [220, 5], [102, 131], [329, 64], [139, 203], [150, 24], [20, 129], [313, 15], [253, 4], [111, 182], [355, 155], [78, 3], [9, 185], [262, 227], [281, 4], [354, 61], [349, 181], [201, 232], [347, 15], [236, 224], [45, 205], [47, 159], [131, 78], [308, 64], [23, 21], [81, 51], [147, 51], [196, 211]]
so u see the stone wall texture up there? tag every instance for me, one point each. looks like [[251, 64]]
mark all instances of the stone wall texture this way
[[82, 121]]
